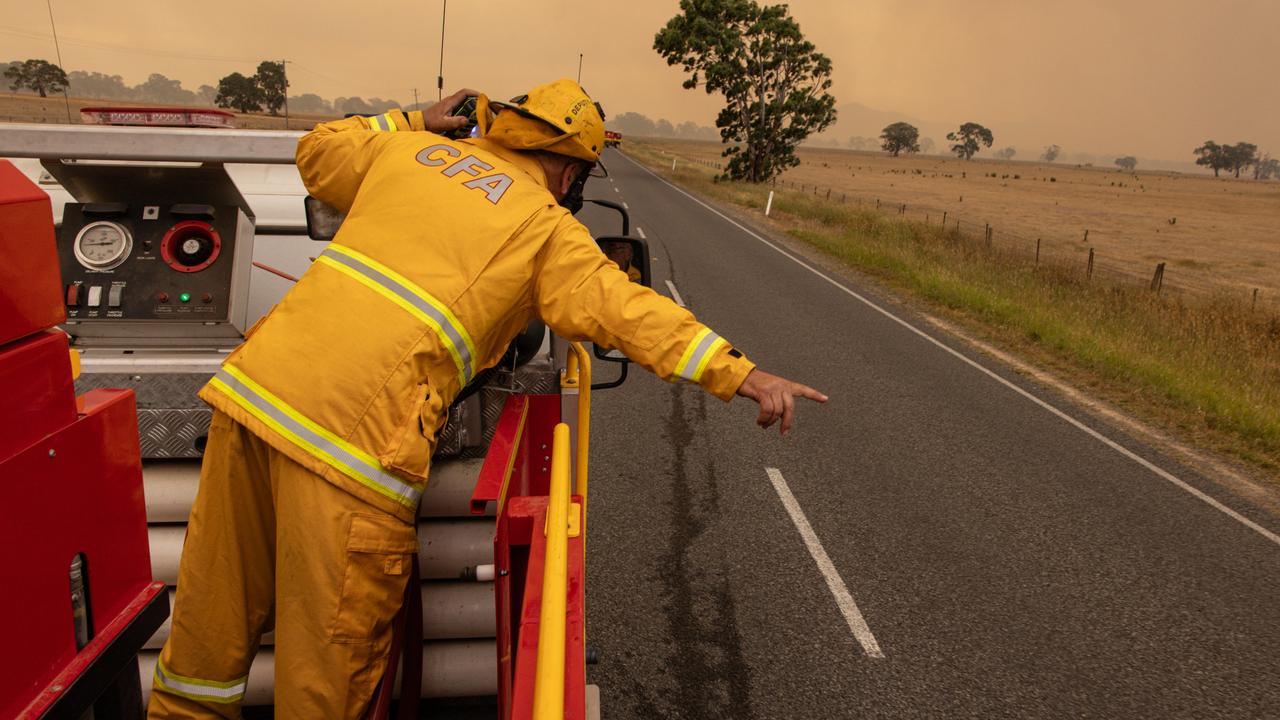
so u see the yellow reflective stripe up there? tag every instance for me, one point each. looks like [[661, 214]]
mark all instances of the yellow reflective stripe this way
[[412, 298], [391, 123], [228, 691], [373, 123], [312, 437], [706, 358], [682, 366]]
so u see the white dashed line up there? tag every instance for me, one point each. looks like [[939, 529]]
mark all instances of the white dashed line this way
[[640, 231], [675, 294], [848, 608], [626, 206], [1126, 452], [615, 189]]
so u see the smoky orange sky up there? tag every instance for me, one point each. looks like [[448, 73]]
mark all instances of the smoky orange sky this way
[[1143, 77]]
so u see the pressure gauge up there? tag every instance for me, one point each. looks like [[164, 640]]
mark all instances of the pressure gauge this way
[[102, 245]]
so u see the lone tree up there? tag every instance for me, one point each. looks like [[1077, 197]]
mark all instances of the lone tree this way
[[1006, 153], [1127, 163], [774, 82], [1214, 156], [1051, 153], [967, 139], [40, 76], [273, 84], [239, 92], [900, 137]]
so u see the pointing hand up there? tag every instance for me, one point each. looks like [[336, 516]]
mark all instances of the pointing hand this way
[[776, 397]]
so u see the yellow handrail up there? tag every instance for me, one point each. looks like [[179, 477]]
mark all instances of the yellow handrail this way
[[578, 367], [548, 688]]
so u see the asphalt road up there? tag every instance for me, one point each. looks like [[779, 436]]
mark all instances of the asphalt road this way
[[1006, 562]]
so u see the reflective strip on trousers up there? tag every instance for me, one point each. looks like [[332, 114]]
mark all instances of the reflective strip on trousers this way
[[407, 295], [196, 689], [311, 437], [696, 356]]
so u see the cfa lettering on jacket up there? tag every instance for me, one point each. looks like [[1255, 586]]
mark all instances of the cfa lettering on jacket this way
[[494, 186]]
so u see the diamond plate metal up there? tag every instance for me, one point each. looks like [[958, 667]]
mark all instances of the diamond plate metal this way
[[173, 433]]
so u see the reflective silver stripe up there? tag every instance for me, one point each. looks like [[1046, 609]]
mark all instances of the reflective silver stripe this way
[[453, 335], [319, 445], [220, 692], [690, 369], [373, 120]]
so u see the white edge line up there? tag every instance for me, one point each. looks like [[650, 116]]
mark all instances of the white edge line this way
[[675, 294], [848, 608], [640, 232], [1162, 473]]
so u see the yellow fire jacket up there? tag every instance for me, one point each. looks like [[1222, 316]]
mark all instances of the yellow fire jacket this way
[[449, 249]]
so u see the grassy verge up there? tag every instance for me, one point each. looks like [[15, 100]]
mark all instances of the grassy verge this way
[[1208, 370]]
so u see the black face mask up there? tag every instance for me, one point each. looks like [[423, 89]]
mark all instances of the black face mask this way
[[572, 200]]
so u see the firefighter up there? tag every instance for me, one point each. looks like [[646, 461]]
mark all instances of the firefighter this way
[[325, 418]]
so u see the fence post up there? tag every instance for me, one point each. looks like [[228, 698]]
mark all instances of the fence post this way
[[828, 193], [769, 204], [1255, 299], [1037, 251], [1089, 272], [944, 219], [1086, 236], [1157, 280], [673, 164]]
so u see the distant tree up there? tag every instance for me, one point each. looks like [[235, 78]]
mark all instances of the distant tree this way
[[968, 140], [1006, 153], [900, 137], [239, 92], [353, 106], [774, 82], [1127, 163], [858, 142], [160, 89], [1266, 168], [1240, 156], [97, 85], [272, 84], [310, 103], [1051, 153], [632, 123], [663, 128], [1214, 156], [205, 94], [927, 146], [39, 76], [379, 105]]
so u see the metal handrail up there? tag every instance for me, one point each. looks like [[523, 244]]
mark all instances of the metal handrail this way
[[578, 369], [548, 689]]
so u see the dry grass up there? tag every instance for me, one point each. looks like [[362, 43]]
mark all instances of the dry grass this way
[[1205, 369], [34, 109], [1226, 234]]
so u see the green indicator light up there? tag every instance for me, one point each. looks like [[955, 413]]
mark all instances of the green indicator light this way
[[185, 297]]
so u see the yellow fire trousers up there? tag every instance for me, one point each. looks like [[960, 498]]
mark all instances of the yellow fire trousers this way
[[272, 545]]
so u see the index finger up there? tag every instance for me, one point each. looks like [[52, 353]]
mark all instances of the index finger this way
[[808, 392], [458, 96]]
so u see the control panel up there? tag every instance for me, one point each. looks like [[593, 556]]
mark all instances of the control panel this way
[[136, 269]]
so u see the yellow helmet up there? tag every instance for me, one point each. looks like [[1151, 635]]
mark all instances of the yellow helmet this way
[[558, 117]]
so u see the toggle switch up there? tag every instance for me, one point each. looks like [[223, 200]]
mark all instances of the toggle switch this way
[[95, 296], [113, 296], [73, 295]]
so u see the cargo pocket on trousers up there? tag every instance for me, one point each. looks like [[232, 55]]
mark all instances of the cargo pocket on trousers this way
[[414, 440], [379, 552]]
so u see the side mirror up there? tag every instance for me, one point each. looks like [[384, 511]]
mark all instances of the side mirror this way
[[632, 257], [323, 219]]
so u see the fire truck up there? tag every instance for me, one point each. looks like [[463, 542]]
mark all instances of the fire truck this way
[[612, 139], [132, 260]]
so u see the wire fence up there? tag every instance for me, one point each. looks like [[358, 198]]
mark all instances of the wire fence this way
[[1077, 253]]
